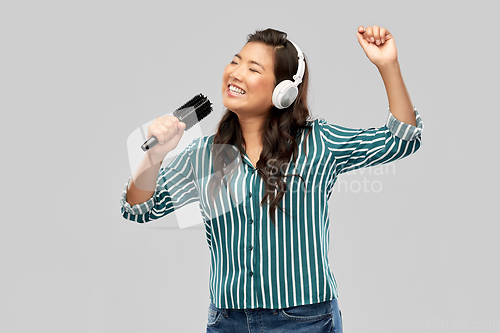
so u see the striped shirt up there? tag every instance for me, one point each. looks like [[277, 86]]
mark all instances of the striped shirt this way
[[255, 264]]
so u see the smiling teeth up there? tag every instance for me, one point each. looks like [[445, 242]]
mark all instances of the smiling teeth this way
[[236, 90]]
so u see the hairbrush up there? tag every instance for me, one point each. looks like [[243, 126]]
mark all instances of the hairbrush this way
[[190, 113]]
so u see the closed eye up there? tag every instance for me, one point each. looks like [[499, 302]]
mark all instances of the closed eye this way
[[250, 69]]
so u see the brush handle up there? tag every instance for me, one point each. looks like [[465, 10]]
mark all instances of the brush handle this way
[[153, 141], [150, 143]]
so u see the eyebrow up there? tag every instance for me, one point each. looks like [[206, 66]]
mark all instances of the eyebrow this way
[[251, 61]]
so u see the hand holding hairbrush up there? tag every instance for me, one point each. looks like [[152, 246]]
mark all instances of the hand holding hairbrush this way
[[167, 128]]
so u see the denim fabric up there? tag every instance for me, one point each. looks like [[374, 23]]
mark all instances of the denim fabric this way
[[324, 317]]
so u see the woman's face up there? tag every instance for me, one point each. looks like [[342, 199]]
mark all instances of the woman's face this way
[[248, 80]]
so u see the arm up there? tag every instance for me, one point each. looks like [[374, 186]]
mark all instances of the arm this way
[[400, 137], [379, 46], [365, 147], [399, 99], [173, 187], [142, 186]]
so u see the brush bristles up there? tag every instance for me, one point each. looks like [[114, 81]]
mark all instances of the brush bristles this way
[[194, 110]]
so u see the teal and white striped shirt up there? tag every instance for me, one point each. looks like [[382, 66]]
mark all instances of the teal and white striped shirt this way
[[255, 264]]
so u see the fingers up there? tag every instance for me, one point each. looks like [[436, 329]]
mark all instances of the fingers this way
[[383, 32], [369, 34], [164, 128], [361, 36], [375, 34]]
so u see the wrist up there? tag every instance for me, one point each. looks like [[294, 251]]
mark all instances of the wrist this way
[[153, 159], [388, 66]]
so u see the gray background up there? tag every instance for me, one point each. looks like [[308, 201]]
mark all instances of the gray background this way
[[77, 78]]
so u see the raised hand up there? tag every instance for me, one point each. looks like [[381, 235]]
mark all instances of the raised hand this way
[[378, 44], [168, 130]]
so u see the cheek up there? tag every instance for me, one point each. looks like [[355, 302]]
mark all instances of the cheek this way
[[265, 87], [225, 78], [225, 75]]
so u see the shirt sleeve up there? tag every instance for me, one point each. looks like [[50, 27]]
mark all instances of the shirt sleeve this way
[[176, 187], [358, 148]]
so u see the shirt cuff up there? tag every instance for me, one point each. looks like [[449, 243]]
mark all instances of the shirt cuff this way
[[403, 130], [139, 208]]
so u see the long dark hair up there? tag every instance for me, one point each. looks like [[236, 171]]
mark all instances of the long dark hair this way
[[281, 128]]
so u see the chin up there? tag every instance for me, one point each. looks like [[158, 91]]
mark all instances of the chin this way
[[233, 110], [231, 105]]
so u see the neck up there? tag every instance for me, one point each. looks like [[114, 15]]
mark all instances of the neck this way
[[251, 130]]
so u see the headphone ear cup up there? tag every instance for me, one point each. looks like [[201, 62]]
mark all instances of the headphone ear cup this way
[[284, 94]]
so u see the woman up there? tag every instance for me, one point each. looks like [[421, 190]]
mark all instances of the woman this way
[[263, 181]]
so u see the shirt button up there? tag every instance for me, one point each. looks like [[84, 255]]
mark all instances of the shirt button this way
[[249, 194], [251, 273], [250, 247], [251, 220]]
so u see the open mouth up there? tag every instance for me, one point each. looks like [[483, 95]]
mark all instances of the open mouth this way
[[236, 90]]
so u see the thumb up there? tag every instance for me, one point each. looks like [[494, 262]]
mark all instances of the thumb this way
[[181, 126], [174, 140]]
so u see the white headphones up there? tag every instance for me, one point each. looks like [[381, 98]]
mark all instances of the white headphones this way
[[286, 91]]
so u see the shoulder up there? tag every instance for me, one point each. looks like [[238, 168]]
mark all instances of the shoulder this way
[[329, 128], [313, 121], [194, 147], [320, 123], [201, 141]]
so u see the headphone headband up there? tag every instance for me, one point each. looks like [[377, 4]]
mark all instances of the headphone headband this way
[[300, 70], [286, 91]]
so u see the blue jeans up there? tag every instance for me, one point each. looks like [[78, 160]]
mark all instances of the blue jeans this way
[[314, 318]]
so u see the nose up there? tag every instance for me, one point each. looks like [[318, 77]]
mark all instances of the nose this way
[[236, 74]]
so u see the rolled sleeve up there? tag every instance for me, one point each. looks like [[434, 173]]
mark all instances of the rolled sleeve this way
[[403, 130], [176, 187], [138, 209]]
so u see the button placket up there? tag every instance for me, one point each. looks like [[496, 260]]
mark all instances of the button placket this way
[[252, 199]]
